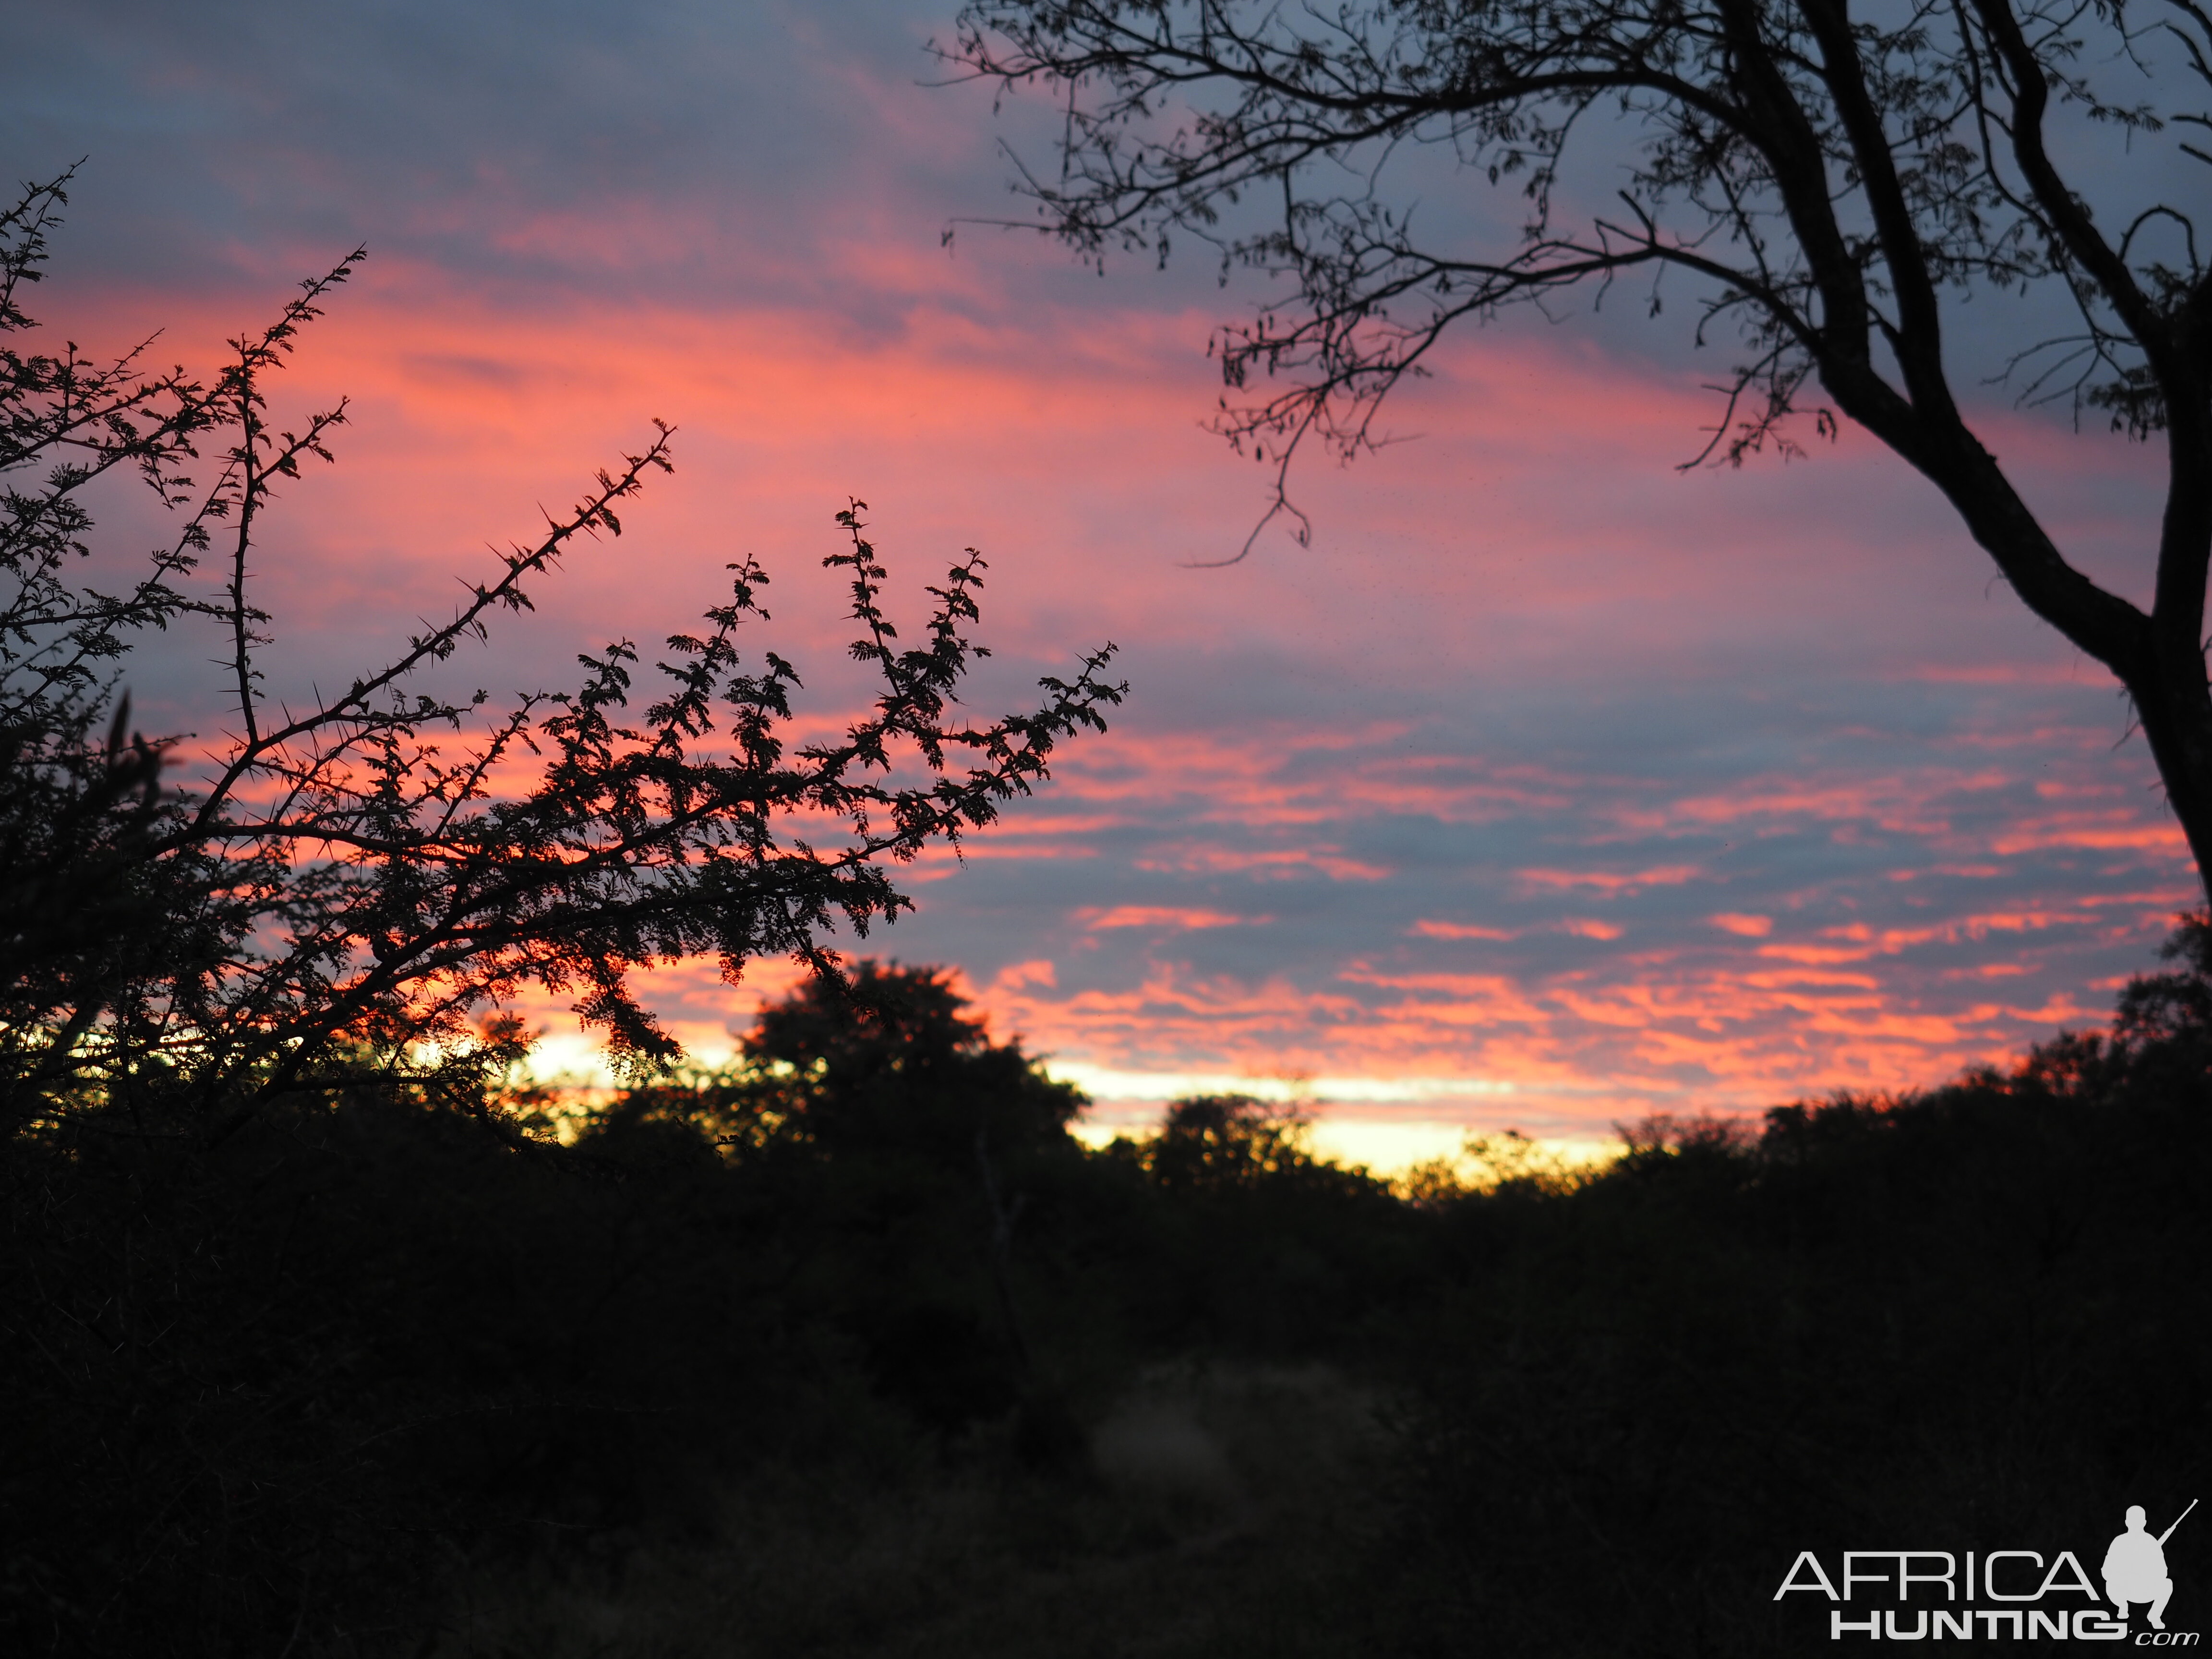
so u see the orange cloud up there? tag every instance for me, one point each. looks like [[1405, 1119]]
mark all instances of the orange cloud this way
[[1586, 928], [1744, 927]]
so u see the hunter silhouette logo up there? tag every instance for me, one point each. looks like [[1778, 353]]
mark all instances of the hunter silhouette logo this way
[[2135, 1566], [2031, 1592]]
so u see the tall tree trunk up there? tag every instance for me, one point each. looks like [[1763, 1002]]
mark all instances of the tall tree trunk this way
[[2176, 715]]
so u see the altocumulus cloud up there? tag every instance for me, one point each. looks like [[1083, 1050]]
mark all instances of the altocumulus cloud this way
[[1548, 786]]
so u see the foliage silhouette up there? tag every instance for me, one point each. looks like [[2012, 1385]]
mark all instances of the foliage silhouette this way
[[1226, 1140], [334, 897], [1834, 187], [1971, 1315], [906, 1146], [887, 1062], [373, 1354]]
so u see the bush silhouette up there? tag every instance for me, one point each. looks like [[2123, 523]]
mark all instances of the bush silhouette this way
[[334, 895]]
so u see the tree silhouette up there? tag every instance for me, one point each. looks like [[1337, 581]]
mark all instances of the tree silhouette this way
[[1221, 1141], [888, 1062], [1835, 186], [907, 1146], [342, 893]]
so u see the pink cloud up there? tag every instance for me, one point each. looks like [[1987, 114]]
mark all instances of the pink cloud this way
[[1159, 916], [1586, 928], [1461, 930], [1333, 767], [1606, 883]]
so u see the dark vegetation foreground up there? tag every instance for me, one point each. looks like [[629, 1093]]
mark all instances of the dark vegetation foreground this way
[[853, 1350]]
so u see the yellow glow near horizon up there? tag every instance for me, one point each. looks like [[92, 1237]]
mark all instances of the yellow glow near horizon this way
[[1102, 1084], [1129, 1103], [1387, 1148]]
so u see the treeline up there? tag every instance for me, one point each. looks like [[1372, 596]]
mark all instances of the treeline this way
[[288, 1390], [289, 1382], [1974, 1318]]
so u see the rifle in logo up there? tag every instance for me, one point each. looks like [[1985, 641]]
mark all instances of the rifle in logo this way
[[2135, 1566]]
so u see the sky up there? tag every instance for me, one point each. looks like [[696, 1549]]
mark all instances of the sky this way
[[1552, 786]]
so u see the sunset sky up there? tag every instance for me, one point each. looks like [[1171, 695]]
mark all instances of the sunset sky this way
[[1551, 786]]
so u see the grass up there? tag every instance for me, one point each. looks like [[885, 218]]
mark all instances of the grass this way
[[1223, 1510]]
